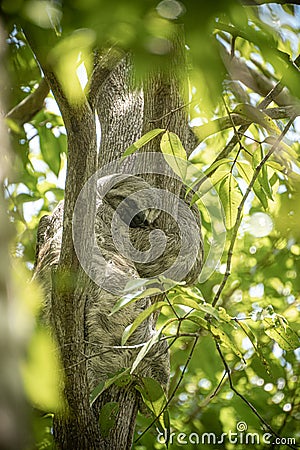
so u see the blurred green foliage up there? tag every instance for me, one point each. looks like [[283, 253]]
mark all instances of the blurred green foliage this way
[[266, 260]]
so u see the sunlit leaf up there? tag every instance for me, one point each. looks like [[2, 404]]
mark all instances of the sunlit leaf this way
[[224, 315], [42, 372], [283, 334], [68, 54], [146, 348], [231, 197], [245, 171], [256, 344], [198, 320], [143, 141], [133, 297], [257, 116], [217, 164], [223, 338], [174, 153], [140, 319], [50, 149], [24, 198]]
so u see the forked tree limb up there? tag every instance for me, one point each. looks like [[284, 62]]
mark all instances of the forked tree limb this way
[[259, 83], [30, 105], [104, 63]]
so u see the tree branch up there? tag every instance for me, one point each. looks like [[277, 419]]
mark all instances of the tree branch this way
[[263, 2], [243, 128], [241, 206], [196, 338], [104, 64], [223, 123], [253, 409], [259, 83], [31, 105]]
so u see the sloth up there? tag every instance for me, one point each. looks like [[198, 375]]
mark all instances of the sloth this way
[[121, 210]]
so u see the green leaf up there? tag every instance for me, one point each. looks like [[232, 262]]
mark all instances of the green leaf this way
[[198, 320], [143, 141], [245, 170], [185, 301], [122, 376], [123, 380], [282, 333], [216, 164], [255, 115], [219, 334], [50, 149], [97, 392], [167, 424], [62, 143], [219, 176], [276, 166], [263, 179], [23, 198], [190, 303], [107, 417], [188, 297], [155, 398], [224, 315], [174, 153], [146, 348], [58, 192], [282, 147], [140, 319], [14, 126], [260, 194], [133, 297], [256, 345], [231, 197]]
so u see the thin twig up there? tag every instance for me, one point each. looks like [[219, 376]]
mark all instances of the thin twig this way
[[241, 206], [172, 307], [219, 385], [172, 111], [235, 139], [108, 349], [30, 105], [233, 39], [224, 123], [253, 409], [239, 137], [174, 391]]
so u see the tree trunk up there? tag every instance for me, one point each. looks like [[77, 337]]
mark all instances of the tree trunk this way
[[124, 111], [124, 115]]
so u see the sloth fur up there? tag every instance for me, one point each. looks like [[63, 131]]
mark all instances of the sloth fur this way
[[103, 332]]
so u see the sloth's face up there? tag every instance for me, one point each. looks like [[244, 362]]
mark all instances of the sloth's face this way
[[132, 223], [132, 198]]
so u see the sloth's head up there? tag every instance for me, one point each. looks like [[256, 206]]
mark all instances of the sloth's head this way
[[132, 197], [132, 207]]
